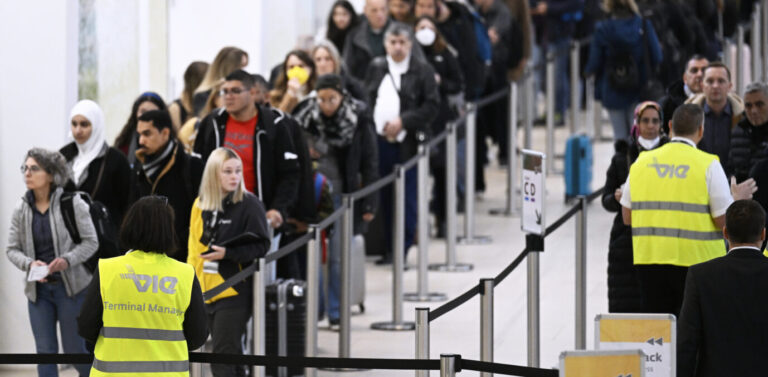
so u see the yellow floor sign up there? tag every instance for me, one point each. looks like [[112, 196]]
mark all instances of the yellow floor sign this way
[[621, 363], [654, 334]]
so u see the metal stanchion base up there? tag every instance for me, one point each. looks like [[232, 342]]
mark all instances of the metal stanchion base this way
[[429, 297], [457, 267], [393, 326], [504, 212], [476, 240]]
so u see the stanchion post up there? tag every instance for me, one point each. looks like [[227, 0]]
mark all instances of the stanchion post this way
[[450, 264], [581, 275], [589, 119], [398, 258], [469, 184], [347, 230], [314, 248], [764, 44], [486, 322], [533, 309], [755, 43], [575, 105], [422, 338], [259, 307], [550, 147], [529, 107], [448, 365], [739, 59], [511, 205], [422, 293]]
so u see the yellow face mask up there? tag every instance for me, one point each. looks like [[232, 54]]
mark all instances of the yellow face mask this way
[[298, 73]]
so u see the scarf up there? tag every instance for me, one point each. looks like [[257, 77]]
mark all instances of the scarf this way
[[153, 163], [91, 149], [337, 130]]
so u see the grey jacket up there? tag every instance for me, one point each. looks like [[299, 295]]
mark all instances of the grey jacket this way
[[21, 248]]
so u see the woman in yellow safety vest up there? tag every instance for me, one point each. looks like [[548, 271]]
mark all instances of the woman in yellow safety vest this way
[[144, 310], [224, 211]]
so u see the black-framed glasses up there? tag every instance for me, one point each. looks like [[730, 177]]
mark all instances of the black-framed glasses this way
[[31, 168]]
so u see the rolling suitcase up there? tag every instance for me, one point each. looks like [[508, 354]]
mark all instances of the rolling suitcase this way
[[357, 294], [578, 166], [286, 313]]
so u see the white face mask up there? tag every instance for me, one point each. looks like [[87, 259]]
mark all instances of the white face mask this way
[[426, 36]]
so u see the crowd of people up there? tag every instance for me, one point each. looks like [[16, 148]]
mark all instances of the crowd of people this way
[[238, 153]]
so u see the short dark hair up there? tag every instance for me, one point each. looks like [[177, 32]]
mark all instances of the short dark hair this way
[[242, 76], [687, 119], [149, 226], [744, 221], [260, 81], [718, 65], [695, 57], [160, 119]]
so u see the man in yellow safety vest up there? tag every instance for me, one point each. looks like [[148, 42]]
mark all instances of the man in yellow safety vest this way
[[677, 205], [144, 310]]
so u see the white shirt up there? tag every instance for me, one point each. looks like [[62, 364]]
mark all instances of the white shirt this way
[[746, 247], [717, 186]]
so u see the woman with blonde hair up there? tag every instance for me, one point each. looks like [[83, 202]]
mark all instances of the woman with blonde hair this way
[[223, 211], [328, 61], [228, 60]]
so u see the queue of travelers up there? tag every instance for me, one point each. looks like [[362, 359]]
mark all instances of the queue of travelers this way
[[237, 154]]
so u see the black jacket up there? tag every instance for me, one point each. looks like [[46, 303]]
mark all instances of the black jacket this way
[[624, 294], [114, 189], [675, 97], [419, 99], [451, 83], [179, 181], [91, 320], [359, 162], [304, 208], [749, 144], [357, 52], [279, 169], [459, 31], [236, 219], [723, 324]]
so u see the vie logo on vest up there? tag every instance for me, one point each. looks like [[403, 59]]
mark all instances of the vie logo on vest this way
[[670, 171], [166, 284]]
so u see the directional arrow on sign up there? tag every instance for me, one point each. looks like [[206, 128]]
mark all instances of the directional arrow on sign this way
[[538, 217], [659, 341]]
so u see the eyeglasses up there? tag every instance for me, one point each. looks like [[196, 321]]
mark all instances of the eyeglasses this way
[[235, 91], [31, 168]]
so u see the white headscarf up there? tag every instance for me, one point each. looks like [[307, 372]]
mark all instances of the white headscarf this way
[[89, 150]]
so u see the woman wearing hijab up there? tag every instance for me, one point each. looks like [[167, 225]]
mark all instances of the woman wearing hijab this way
[[624, 295], [97, 169]]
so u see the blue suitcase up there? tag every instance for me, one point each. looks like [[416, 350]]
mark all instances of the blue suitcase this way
[[578, 166]]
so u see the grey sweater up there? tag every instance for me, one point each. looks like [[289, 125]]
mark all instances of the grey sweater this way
[[21, 248]]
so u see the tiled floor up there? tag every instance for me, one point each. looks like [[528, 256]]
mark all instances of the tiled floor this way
[[458, 331]]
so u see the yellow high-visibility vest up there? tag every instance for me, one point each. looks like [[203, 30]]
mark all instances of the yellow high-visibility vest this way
[[671, 221], [145, 296], [208, 278]]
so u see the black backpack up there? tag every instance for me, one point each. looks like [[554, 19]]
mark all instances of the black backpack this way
[[622, 71], [105, 227]]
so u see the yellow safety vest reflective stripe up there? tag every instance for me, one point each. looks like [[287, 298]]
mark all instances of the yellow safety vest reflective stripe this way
[[671, 220], [145, 296], [208, 278]]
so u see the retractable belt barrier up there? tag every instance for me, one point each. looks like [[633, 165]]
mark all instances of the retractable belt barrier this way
[[305, 362]]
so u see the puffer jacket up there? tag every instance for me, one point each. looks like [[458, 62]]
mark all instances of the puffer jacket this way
[[624, 294], [749, 144], [21, 246]]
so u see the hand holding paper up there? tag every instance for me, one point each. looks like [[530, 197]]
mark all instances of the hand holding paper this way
[[37, 271]]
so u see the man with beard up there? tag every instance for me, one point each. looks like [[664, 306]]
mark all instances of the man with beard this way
[[164, 169]]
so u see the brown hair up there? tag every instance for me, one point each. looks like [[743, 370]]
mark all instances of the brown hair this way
[[440, 44], [228, 60], [193, 76], [718, 65]]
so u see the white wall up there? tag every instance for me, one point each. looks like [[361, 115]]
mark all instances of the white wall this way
[[38, 86]]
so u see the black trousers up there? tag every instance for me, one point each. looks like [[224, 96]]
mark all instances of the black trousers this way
[[227, 327], [662, 286]]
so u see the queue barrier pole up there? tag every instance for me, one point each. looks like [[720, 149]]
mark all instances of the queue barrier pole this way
[[347, 223], [422, 338], [529, 107], [448, 365], [450, 264], [764, 44], [486, 322], [512, 174], [581, 275], [576, 125], [550, 117], [469, 181], [398, 258], [422, 293], [259, 314], [314, 250], [755, 43], [739, 71]]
